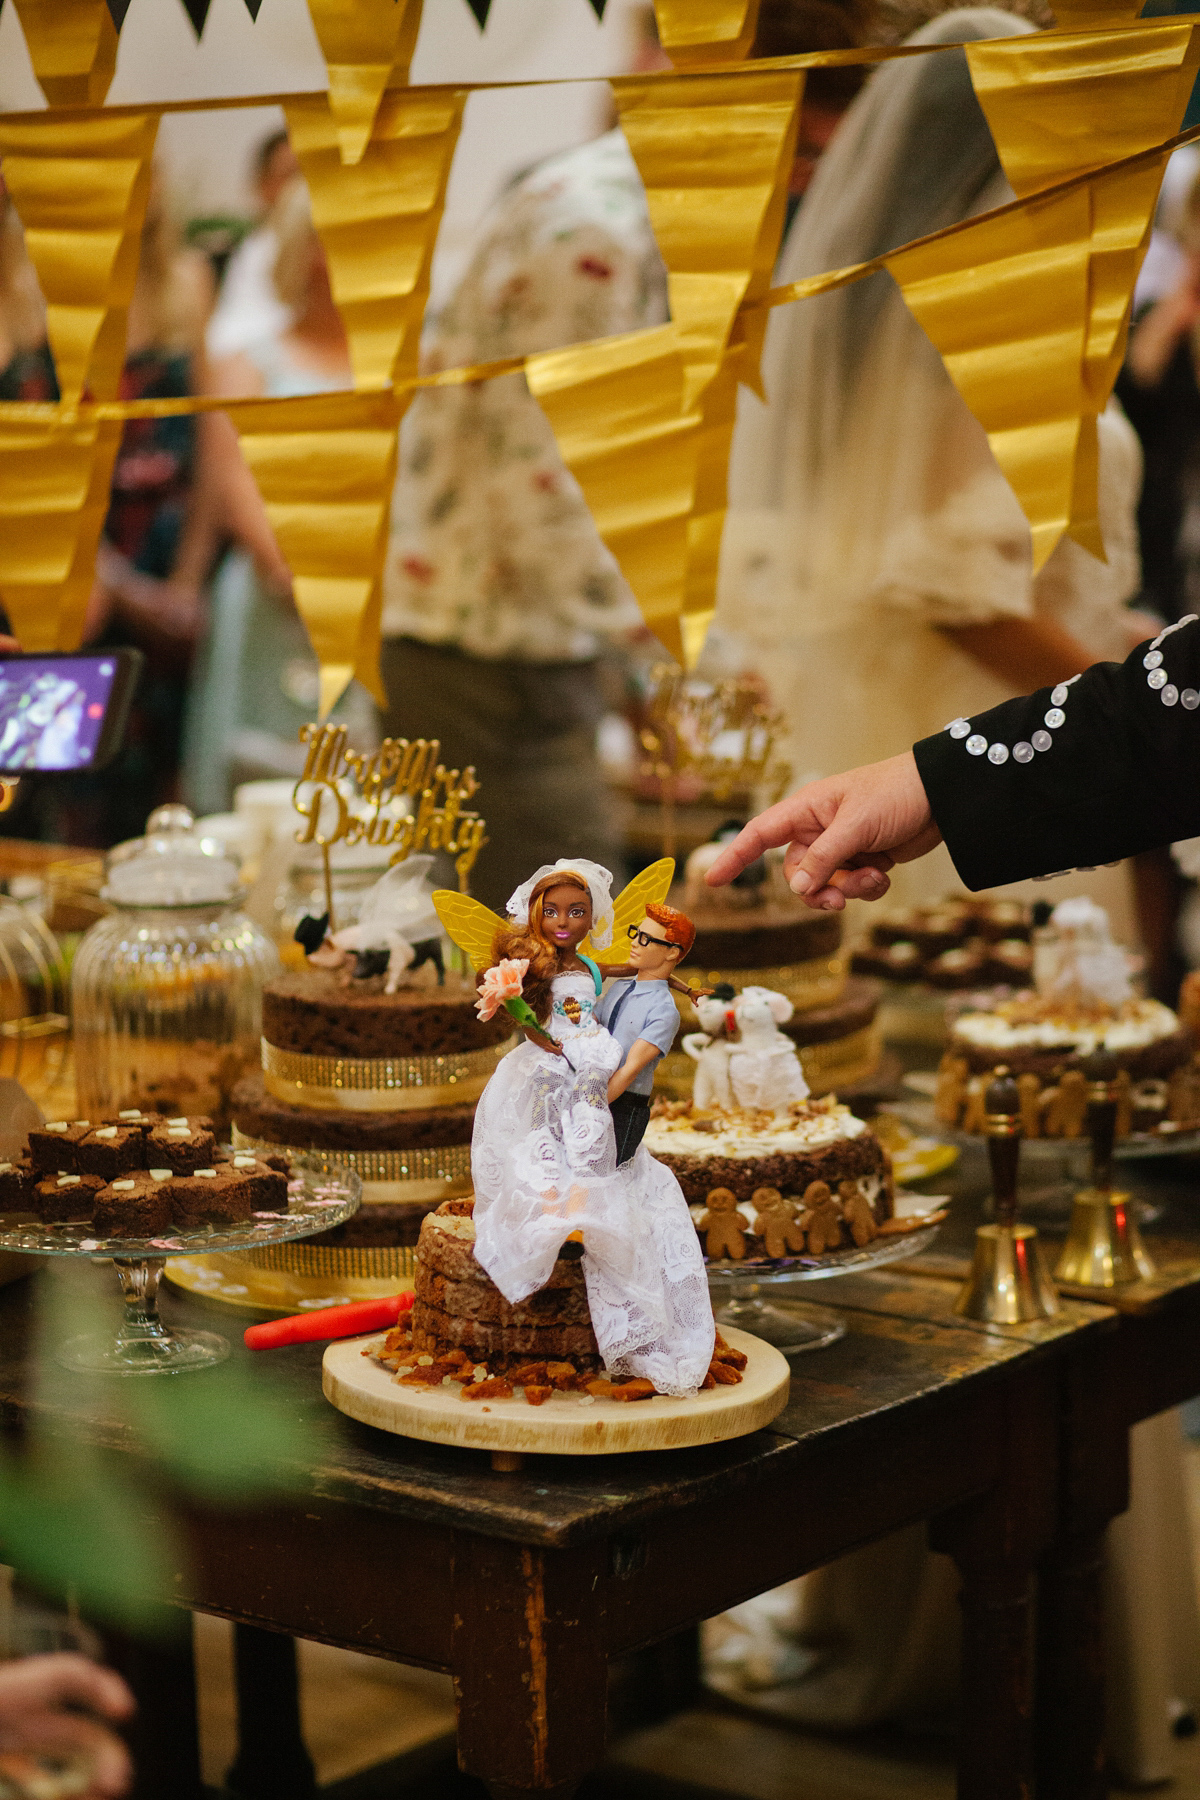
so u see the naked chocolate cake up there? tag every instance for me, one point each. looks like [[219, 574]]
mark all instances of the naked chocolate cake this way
[[381, 1083], [462, 1331], [770, 1187]]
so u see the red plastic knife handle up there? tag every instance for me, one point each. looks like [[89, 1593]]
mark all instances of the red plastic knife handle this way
[[328, 1322]]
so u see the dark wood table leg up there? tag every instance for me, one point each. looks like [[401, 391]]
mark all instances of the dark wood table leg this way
[[529, 1664], [164, 1738], [1093, 1488], [1070, 1687], [272, 1762], [997, 1542]]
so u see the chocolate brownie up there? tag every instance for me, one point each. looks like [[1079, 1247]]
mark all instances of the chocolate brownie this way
[[318, 1012], [111, 1150], [194, 1122], [59, 1197], [215, 1196], [137, 1205], [52, 1147], [268, 1188], [181, 1148], [17, 1181]]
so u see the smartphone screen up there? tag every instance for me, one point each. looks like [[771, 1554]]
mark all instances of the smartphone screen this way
[[63, 712]]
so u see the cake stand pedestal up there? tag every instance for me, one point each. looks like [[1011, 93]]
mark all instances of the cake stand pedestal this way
[[567, 1424], [792, 1326], [143, 1344]]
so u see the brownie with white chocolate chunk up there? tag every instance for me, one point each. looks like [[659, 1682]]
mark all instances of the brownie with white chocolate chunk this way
[[110, 1150], [220, 1195], [268, 1186], [135, 1205], [52, 1147], [17, 1180], [60, 1197], [181, 1146]]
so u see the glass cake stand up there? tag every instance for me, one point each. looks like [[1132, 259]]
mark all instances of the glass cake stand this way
[[317, 1199], [791, 1325]]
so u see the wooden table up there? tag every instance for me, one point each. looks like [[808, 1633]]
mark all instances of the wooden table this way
[[524, 1585]]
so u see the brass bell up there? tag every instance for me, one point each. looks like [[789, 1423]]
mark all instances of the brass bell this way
[[1104, 1248], [1009, 1283]]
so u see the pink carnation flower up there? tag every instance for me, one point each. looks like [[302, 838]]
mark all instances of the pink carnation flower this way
[[501, 983]]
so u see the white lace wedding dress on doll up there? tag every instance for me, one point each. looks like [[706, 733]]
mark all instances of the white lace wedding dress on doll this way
[[543, 1158]]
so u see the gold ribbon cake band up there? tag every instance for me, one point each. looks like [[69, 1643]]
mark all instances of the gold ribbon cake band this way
[[397, 1177], [821, 981], [842, 1061], [377, 1084], [340, 1262]]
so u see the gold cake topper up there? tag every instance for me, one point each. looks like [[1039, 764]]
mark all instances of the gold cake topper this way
[[437, 817], [719, 736]]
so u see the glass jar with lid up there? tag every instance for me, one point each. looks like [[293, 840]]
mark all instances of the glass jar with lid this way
[[166, 993]]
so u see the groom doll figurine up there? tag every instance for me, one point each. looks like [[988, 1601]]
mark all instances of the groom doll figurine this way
[[642, 1016]]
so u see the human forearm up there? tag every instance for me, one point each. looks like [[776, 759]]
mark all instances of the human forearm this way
[[1027, 653]]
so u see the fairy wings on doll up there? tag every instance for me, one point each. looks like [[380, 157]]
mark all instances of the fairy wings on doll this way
[[473, 926]]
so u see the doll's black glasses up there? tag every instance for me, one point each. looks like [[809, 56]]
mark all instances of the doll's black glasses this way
[[645, 940]]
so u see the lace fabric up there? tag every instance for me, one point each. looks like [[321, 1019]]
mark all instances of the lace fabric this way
[[543, 1158]]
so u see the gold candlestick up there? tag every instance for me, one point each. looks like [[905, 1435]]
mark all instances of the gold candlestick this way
[[1009, 1283], [1104, 1248]]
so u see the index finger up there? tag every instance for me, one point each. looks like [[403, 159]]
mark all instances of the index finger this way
[[766, 832], [64, 1676]]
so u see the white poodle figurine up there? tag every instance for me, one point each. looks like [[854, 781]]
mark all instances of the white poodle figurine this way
[[764, 1067], [709, 1050], [397, 927]]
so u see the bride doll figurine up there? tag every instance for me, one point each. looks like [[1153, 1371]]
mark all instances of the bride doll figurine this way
[[544, 1153]]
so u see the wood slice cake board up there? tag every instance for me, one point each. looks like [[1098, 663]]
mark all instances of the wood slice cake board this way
[[564, 1425]]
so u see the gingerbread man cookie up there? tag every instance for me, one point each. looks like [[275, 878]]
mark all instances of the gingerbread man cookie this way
[[824, 1221], [722, 1226], [775, 1223], [856, 1211]]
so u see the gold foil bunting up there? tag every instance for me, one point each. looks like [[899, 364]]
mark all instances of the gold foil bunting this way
[[617, 410], [1006, 304], [73, 48], [378, 220], [326, 482], [80, 188], [700, 31], [54, 489], [366, 44], [714, 153]]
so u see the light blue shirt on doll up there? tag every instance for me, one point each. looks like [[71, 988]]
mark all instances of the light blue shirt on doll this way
[[633, 1009]]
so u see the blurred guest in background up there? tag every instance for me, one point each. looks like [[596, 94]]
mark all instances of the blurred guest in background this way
[[255, 680], [137, 599], [499, 595], [1159, 390], [248, 308], [876, 565]]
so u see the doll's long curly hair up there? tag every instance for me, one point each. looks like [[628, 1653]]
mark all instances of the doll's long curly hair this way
[[529, 940]]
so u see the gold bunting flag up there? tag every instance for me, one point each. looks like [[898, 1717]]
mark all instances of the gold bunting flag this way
[[80, 188], [1005, 302], [54, 488], [73, 48], [366, 44], [1059, 105], [378, 219], [714, 156], [700, 31], [326, 481], [1090, 16], [616, 408]]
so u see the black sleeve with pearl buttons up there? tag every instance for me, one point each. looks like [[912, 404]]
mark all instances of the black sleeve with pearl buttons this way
[[1098, 768]]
